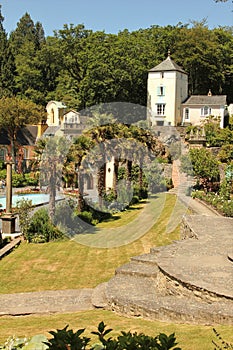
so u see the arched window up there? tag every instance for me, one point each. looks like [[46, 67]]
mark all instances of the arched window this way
[[186, 113], [52, 116]]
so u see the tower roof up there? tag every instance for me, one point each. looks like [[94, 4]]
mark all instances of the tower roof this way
[[167, 65]]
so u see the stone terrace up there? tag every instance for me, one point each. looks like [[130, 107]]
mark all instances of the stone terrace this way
[[188, 281]]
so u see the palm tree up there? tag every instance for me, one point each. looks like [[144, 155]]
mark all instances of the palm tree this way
[[76, 157], [52, 161]]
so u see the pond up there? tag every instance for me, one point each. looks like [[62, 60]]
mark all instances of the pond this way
[[36, 198]]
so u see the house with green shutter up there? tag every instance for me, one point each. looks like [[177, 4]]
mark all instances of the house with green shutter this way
[[168, 101]]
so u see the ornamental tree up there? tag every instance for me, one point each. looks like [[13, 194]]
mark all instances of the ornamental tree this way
[[16, 113]]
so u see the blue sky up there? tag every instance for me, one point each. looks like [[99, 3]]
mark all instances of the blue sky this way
[[115, 15]]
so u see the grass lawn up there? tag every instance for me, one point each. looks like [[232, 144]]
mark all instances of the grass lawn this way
[[189, 337], [68, 265]]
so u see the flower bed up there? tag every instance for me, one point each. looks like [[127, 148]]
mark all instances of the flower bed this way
[[216, 201]]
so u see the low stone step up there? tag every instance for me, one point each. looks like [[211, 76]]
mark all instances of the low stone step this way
[[150, 259], [138, 269], [128, 287], [171, 309], [98, 297]]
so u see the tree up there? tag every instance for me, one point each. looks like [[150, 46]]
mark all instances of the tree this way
[[24, 42], [7, 68], [52, 161], [15, 113], [73, 166]]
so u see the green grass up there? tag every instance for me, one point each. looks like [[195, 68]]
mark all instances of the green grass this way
[[68, 265], [65, 265], [189, 337]]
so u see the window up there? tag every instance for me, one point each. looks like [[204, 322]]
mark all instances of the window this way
[[160, 109], [186, 113], [162, 74], [205, 111], [2, 154], [25, 153], [52, 116], [161, 90]]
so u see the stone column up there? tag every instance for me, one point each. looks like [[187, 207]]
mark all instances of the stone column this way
[[8, 220]]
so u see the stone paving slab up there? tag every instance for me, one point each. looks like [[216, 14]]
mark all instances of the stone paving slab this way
[[203, 262], [59, 301]]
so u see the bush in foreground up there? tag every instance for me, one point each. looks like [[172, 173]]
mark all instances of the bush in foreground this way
[[67, 339]]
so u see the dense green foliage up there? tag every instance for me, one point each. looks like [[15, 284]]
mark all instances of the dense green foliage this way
[[200, 163], [68, 339], [82, 67], [24, 207], [41, 228]]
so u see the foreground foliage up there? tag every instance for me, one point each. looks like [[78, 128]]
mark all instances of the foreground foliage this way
[[67, 339]]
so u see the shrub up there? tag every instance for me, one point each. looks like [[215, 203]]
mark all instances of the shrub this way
[[142, 193], [31, 180], [70, 221], [134, 200], [24, 207], [225, 189], [66, 339], [228, 208], [87, 216], [97, 213], [36, 342], [18, 180], [41, 229]]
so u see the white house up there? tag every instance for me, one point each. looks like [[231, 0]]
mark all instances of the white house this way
[[168, 102], [167, 88], [198, 107], [62, 122], [55, 112]]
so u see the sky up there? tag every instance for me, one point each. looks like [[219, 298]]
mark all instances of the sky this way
[[113, 16]]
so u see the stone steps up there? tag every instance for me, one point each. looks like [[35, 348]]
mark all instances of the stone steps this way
[[138, 296], [150, 259], [149, 286], [129, 287], [138, 269], [169, 308]]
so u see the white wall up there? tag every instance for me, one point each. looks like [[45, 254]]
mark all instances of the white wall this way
[[176, 90]]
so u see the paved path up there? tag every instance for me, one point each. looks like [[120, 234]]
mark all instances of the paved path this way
[[63, 300], [59, 301]]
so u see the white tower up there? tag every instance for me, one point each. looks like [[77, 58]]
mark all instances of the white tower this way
[[167, 88]]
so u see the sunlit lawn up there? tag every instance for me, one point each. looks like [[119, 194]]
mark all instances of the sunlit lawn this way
[[68, 265], [189, 337]]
